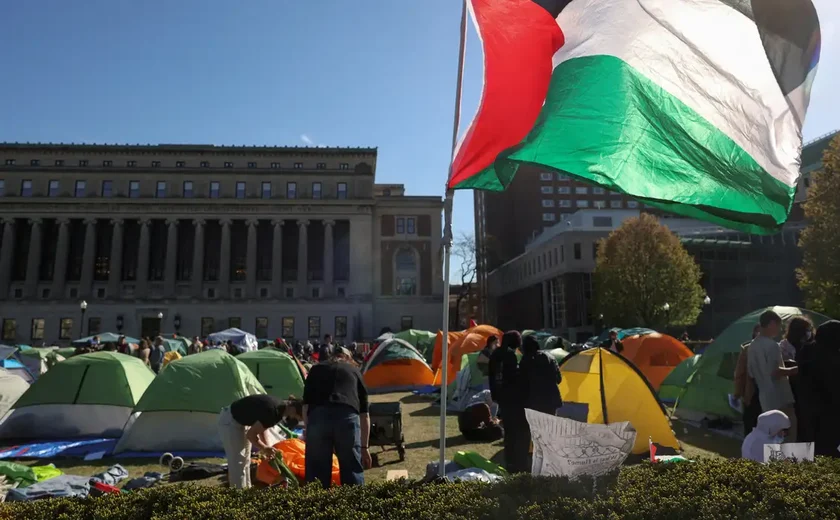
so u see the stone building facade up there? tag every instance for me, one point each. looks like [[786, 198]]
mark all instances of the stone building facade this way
[[280, 241]]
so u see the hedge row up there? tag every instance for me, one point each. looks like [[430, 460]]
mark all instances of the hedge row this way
[[705, 489]]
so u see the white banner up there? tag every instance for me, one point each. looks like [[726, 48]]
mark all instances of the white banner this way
[[570, 448], [798, 451]]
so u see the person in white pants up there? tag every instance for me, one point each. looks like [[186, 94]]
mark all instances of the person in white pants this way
[[244, 423]]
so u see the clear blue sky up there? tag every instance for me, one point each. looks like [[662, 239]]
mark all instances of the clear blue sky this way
[[268, 72]]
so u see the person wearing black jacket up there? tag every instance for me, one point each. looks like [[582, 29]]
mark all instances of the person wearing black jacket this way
[[335, 412], [540, 377], [819, 392], [613, 343], [506, 390]]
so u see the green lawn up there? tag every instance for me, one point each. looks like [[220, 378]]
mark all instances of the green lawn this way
[[421, 425]]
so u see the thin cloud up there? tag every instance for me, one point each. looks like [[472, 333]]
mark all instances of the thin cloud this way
[[307, 140]]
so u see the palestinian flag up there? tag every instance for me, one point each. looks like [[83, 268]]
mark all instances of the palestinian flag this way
[[693, 106]]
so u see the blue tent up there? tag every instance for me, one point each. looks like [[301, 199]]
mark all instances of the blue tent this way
[[244, 341], [622, 333], [105, 337]]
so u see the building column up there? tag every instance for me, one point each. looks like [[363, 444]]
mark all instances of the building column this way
[[33, 262], [143, 259], [328, 258], [60, 268], [88, 258], [224, 261], [198, 258], [251, 259], [277, 260], [302, 258], [115, 267], [6, 256], [171, 266]]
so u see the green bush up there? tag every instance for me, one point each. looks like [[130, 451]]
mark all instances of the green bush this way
[[717, 489]]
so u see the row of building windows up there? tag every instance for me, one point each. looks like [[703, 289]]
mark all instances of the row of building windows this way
[[546, 260], [178, 164], [208, 326], [161, 189], [597, 204], [579, 190]]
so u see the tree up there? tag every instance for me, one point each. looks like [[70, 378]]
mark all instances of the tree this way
[[641, 267], [819, 276], [463, 248]]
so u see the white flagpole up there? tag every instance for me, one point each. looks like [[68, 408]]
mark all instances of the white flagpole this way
[[447, 241]]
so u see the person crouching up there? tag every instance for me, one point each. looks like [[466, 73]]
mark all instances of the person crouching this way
[[245, 422]]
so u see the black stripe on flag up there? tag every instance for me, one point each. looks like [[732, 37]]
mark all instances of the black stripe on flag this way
[[790, 33], [554, 7]]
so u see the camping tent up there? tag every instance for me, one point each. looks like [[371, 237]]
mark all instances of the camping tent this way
[[65, 352], [9, 361], [105, 337], [39, 360], [468, 381], [474, 340], [181, 408], [89, 395], [244, 341], [422, 340], [437, 353], [706, 392], [656, 355], [12, 387], [175, 343], [621, 333], [277, 371], [673, 385], [396, 365], [601, 387]]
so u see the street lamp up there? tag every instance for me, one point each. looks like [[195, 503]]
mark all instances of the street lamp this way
[[176, 322], [160, 315], [83, 308], [667, 309], [707, 300]]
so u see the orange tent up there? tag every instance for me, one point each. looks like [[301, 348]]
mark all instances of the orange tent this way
[[396, 365], [473, 340], [437, 353], [655, 355]]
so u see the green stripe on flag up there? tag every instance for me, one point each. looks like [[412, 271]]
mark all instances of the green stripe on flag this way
[[605, 122]]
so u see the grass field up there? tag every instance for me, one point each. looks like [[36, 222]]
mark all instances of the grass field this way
[[421, 425]]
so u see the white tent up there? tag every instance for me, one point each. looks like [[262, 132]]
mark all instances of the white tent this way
[[244, 341], [12, 387]]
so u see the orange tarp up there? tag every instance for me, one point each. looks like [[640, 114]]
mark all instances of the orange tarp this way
[[437, 353], [293, 452], [655, 355], [471, 340]]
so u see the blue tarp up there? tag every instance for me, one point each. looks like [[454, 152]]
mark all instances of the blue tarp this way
[[621, 333], [105, 337], [48, 450]]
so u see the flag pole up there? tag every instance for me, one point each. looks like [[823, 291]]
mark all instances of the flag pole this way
[[447, 241]]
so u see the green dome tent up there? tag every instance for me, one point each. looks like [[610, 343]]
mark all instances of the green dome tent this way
[[180, 409], [277, 371], [422, 340], [39, 360], [707, 389], [90, 395], [12, 386], [673, 385]]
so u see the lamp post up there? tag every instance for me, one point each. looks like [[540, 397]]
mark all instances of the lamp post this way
[[176, 322], [601, 323], [707, 300], [667, 309], [82, 308], [120, 323]]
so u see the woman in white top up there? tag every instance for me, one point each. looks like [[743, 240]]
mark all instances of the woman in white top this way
[[772, 428]]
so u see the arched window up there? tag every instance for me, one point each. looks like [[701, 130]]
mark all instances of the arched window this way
[[405, 271]]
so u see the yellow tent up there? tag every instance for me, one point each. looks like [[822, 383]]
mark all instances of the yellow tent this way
[[612, 390]]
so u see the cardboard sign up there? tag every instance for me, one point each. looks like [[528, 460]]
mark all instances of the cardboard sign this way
[[571, 448], [796, 451]]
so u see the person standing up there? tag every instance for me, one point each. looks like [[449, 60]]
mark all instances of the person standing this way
[[765, 365], [123, 347], [540, 377], [483, 361], [245, 422], [745, 387], [336, 420], [613, 344], [819, 391], [506, 391], [156, 355]]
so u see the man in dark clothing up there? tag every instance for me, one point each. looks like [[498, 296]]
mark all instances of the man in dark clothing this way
[[506, 391], [335, 411], [613, 343], [244, 423], [540, 375], [819, 392]]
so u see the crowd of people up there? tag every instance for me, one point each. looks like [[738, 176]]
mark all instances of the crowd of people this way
[[789, 390]]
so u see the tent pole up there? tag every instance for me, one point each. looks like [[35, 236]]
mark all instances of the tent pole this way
[[447, 241]]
